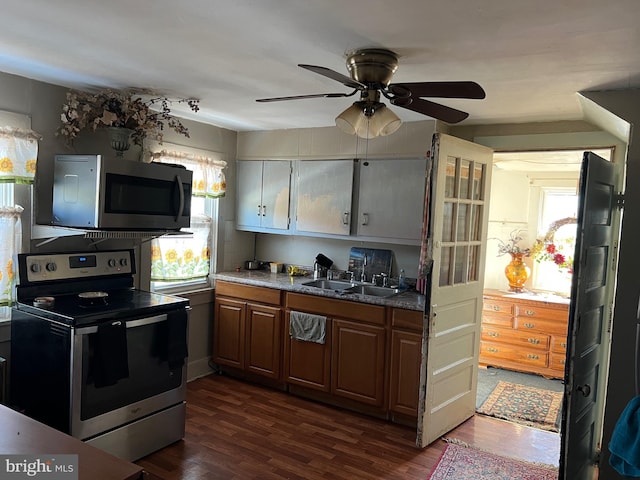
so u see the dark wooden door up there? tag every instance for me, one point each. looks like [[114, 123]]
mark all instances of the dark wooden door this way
[[228, 332], [404, 379], [263, 332]]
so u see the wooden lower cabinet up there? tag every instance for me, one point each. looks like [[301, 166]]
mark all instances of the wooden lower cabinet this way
[[247, 335], [524, 334], [405, 361], [357, 362], [369, 361], [308, 364]]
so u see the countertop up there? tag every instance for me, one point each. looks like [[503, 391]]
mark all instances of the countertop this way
[[410, 300], [22, 435]]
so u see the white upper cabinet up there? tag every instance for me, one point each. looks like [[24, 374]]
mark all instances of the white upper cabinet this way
[[263, 195], [391, 199], [324, 194]]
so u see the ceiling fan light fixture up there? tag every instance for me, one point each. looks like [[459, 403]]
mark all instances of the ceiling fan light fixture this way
[[368, 123], [349, 120]]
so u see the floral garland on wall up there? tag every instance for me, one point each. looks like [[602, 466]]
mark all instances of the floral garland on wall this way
[[558, 251]]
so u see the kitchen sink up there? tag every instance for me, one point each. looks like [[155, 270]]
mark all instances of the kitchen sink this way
[[328, 284], [372, 290]]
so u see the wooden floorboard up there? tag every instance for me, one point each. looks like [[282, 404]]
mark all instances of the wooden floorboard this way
[[236, 430]]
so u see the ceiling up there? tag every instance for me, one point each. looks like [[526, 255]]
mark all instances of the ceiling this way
[[531, 57]]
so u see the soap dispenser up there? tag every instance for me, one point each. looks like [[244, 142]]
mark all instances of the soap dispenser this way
[[401, 279]]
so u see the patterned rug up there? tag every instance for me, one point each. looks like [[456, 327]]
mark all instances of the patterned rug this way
[[525, 405], [463, 463]]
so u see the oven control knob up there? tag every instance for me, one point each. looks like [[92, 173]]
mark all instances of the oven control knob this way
[[112, 262], [35, 267], [51, 267], [123, 262]]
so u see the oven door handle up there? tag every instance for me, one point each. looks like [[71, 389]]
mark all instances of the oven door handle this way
[[129, 324]]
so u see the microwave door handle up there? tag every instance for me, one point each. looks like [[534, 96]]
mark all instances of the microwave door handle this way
[[181, 194]]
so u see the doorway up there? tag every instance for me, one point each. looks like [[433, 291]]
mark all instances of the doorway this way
[[530, 192]]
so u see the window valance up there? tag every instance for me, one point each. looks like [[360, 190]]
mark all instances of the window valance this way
[[208, 176], [18, 155]]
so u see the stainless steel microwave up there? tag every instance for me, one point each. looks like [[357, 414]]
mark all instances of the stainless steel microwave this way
[[96, 192]]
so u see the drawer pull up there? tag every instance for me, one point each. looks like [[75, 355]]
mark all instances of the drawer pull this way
[[493, 334], [530, 325], [534, 341], [563, 344], [492, 350], [530, 313], [531, 356], [495, 308]]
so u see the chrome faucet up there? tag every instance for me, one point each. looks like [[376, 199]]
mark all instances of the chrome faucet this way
[[363, 276]]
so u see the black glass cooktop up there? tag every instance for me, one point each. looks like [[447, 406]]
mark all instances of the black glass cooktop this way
[[99, 306]]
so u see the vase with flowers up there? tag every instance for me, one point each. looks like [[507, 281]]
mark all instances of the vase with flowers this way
[[130, 115], [517, 271]]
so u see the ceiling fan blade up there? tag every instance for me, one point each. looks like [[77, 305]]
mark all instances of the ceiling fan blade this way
[[431, 109], [439, 89], [300, 97], [333, 75]]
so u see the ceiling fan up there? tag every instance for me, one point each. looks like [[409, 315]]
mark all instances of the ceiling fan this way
[[370, 71]]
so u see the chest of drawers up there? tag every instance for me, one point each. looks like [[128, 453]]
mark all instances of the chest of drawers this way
[[524, 334]]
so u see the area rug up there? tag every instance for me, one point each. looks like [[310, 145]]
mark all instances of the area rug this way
[[529, 406], [463, 463]]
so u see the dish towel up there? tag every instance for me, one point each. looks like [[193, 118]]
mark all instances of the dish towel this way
[[111, 359], [625, 441], [307, 327]]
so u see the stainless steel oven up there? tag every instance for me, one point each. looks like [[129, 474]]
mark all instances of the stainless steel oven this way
[[96, 358]]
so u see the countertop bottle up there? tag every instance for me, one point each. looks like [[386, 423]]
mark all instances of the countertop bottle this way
[[401, 280]]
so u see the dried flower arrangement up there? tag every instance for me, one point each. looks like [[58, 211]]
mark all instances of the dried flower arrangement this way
[[558, 251], [511, 246], [127, 109]]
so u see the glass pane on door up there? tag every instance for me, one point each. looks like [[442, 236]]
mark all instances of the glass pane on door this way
[[461, 233]]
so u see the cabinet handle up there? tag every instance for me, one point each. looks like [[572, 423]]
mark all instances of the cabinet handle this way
[[495, 308], [492, 349], [534, 341], [493, 334], [345, 218], [531, 356], [365, 219], [530, 325], [530, 313], [259, 210], [264, 210]]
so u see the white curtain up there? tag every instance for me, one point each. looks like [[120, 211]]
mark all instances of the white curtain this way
[[208, 176], [176, 258], [18, 157]]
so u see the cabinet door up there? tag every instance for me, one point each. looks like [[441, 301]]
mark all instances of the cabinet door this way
[[263, 340], [405, 372], [307, 364], [276, 181], [249, 194], [228, 332], [391, 198], [357, 362], [323, 203]]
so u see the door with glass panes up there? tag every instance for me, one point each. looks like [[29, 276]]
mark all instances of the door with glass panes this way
[[456, 249]]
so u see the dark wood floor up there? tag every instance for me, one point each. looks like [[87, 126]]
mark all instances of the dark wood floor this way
[[236, 430]]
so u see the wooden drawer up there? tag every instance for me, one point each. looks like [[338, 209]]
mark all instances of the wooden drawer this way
[[557, 361], [497, 306], [559, 344], [512, 353], [497, 319], [409, 319], [516, 337], [547, 313], [335, 308], [552, 327], [248, 292]]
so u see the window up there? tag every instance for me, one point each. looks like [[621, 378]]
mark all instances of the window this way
[[556, 204], [185, 261]]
